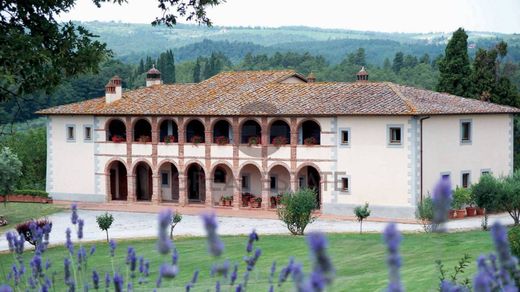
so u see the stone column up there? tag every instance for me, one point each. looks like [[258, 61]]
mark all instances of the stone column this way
[[155, 140], [130, 176], [236, 164], [182, 189], [182, 176], [294, 150], [264, 171], [207, 160], [265, 191], [156, 189], [131, 188]]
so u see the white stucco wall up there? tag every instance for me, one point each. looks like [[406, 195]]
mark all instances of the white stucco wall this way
[[71, 166], [490, 148]]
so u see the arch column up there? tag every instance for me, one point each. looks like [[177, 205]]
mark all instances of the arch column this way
[[236, 162], [182, 189], [265, 190], [264, 172], [156, 189], [131, 187], [182, 176], [209, 194], [236, 193], [207, 161], [294, 181]]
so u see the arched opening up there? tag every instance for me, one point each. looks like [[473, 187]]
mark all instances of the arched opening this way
[[279, 183], [116, 131], [251, 133], [195, 132], [196, 183], [143, 182], [280, 133], [222, 133], [168, 132], [309, 133], [142, 131], [117, 180], [251, 184], [169, 179], [309, 177], [223, 185]]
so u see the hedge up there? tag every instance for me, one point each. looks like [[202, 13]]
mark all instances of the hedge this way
[[37, 193]]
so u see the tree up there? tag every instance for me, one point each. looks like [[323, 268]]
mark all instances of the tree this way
[[10, 172], [454, 68], [361, 212], [176, 218], [398, 62], [509, 196], [296, 210], [38, 52], [196, 72], [105, 221]]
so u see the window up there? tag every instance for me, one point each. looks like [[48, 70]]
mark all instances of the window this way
[[301, 182], [245, 182], [345, 137], [88, 133], [165, 179], [219, 176], [394, 135], [465, 131], [344, 184], [485, 172], [273, 183], [465, 180], [71, 133], [445, 175]]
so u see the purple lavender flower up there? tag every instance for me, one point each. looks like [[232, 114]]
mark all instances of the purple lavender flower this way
[[15, 243], [271, 288], [130, 287], [6, 288], [82, 255], [92, 250], [112, 244], [74, 215], [118, 282], [168, 271], [195, 277], [215, 245], [81, 223], [234, 275], [66, 265], [508, 263], [323, 270], [141, 264], [95, 279], [285, 272], [253, 236], [131, 259], [175, 256], [68, 243], [217, 286], [482, 282], [10, 237], [239, 288], [164, 244], [220, 269], [107, 280], [272, 271], [392, 238], [441, 198], [146, 268], [251, 261], [47, 264], [36, 266]]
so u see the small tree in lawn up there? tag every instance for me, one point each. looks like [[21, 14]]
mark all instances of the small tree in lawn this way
[[10, 172], [296, 210], [361, 212], [176, 218], [105, 221]]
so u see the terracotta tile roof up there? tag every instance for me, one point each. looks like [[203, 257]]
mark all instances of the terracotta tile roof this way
[[264, 93]]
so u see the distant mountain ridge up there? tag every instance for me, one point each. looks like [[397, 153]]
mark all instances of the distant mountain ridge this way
[[130, 42]]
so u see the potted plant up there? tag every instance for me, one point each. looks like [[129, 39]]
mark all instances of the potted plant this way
[[471, 209], [196, 139], [169, 139], [221, 140], [222, 201], [144, 139], [229, 201], [246, 198], [253, 140], [118, 139], [310, 141], [256, 202], [481, 211], [273, 201], [460, 197], [279, 141]]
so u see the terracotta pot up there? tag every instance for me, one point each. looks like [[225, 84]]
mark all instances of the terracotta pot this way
[[481, 211], [452, 214], [460, 213], [222, 203], [471, 211], [255, 204]]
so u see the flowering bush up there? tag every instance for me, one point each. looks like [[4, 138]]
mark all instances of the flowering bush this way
[[196, 139], [310, 141], [253, 140], [169, 139], [296, 210], [118, 139], [279, 141], [144, 139], [221, 140]]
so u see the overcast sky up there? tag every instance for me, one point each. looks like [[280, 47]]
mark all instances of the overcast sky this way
[[372, 15]]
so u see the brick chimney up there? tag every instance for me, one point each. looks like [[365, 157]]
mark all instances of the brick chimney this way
[[153, 77], [311, 78], [113, 89], [362, 75]]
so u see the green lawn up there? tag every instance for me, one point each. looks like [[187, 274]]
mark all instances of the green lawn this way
[[359, 259], [19, 212]]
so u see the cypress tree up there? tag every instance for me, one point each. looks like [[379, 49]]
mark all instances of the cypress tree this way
[[454, 68], [196, 72], [483, 74], [398, 62]]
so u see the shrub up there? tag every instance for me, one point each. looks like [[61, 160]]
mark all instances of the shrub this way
[[10, 171], [424, 212], [485, 192], [514, 240], [296, 210], [509, 196], [361, 212], [176, 218], [36, 193], [461, 197], [105, 221]]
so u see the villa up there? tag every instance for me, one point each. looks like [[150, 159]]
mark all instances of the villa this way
[[251, 135]]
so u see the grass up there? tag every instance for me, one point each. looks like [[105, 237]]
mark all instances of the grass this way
[[19, 212], [359, 259]]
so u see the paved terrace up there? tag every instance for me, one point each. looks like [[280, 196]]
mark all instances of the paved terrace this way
[[140, 221]]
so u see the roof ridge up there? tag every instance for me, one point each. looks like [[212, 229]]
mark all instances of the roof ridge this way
[[405, 99]]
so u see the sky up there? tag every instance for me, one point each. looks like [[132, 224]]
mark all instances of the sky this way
[[371, 15]]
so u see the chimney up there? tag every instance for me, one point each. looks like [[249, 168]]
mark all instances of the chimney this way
[[311, 78], [113, 89], [362, 75], [153, 77]]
